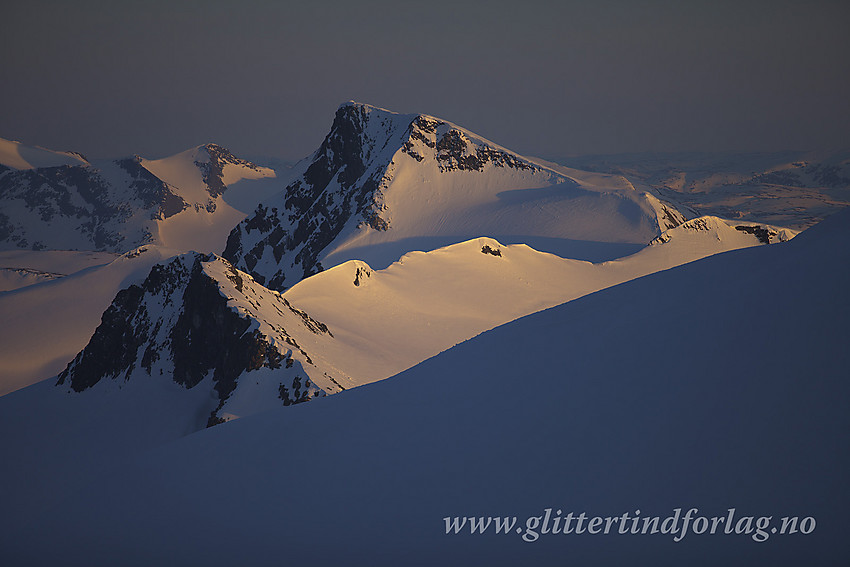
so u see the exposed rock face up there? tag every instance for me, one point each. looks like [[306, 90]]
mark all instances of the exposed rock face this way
[[340, 182], [766, 234], [203, 320], [187, 322], [494, 251], [153, 192], [456, 152], [213, 170], [670, 218], [361, 273], [76, 193]]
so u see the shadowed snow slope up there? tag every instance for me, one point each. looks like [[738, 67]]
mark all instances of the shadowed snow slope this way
[[719, 384]]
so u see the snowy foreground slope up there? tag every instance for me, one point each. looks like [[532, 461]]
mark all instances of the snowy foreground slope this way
[[61, 201], [715, 385], [382, 184]]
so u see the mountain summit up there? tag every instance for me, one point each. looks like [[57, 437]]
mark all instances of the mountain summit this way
[[197, 319], [392, 183]]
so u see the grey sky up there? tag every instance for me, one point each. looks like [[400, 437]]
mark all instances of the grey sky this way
[[543, 78]]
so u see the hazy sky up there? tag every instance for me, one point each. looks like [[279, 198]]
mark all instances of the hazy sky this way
[[543, 78]]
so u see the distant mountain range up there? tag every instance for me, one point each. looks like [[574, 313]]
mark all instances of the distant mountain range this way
[[61, 201], [793, 189], [401, 236]]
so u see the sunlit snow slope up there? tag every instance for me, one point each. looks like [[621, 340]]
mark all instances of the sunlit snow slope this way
[[388, 320], [220, 190], [47, 323]]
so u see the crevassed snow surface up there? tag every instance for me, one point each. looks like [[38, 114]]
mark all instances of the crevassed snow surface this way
[[718, 384]]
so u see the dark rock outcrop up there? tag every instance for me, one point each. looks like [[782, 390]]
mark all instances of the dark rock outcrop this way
[[311, 215]]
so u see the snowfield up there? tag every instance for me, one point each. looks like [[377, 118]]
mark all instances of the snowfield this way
[[388, 320]]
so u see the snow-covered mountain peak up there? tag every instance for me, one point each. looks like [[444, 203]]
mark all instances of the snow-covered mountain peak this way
[[832, 172], [389, 182], [204, 171], [420, 136], [197, 319]]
